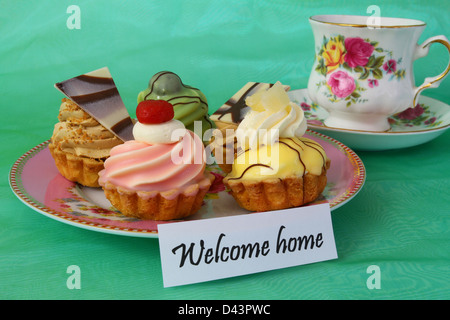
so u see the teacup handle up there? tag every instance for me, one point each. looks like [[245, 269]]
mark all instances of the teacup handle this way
[[431, 82]]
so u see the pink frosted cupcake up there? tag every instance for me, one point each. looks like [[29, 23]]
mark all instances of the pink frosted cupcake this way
[[161, 174]]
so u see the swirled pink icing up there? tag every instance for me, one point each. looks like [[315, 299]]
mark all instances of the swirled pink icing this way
[[140, 166]]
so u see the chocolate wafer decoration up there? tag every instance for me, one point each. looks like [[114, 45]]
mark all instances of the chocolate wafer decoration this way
[[236, 106], [96, 93]]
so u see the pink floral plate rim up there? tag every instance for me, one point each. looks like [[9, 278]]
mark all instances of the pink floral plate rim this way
[[429, 115], [35, 180]]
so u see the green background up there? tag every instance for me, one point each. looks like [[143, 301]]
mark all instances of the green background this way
[[399, 221]]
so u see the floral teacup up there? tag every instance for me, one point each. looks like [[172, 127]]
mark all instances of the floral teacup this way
[[363, 74]]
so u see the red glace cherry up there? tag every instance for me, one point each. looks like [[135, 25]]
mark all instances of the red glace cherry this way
[[154, 111]]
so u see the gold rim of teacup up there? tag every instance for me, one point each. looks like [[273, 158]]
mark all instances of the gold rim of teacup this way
[[359, 25]]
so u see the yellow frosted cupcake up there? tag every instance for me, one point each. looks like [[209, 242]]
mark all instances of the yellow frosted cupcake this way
[[276, 167], [227, 118]]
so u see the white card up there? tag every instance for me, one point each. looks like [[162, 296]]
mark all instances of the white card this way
[[210, 249]]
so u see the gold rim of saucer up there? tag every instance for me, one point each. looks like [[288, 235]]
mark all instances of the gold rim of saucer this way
[[359, 25], [388, 132]]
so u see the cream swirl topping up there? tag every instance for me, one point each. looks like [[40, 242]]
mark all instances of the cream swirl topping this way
[[80, 134], [166, 132], [140, 166], [272, 116]]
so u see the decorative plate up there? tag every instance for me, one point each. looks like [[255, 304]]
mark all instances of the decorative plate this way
[[414, 126], [36, 181]]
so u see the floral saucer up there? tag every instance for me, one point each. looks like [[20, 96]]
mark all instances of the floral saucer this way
[[425, 122]]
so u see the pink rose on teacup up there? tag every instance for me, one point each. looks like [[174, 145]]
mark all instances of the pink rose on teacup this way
[[358, 52], [341, 84], [390, 66]]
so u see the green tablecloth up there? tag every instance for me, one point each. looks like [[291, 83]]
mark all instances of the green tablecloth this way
[[399, 221]]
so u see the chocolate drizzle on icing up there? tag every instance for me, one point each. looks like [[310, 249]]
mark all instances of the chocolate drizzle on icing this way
[[249, 167], [209, 121], [168, 86], [296, 143], [187, 97], [316, 147], [298, 153], [99, 97], [313, 145], [162, 73], [308, 143], [153, 84]]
